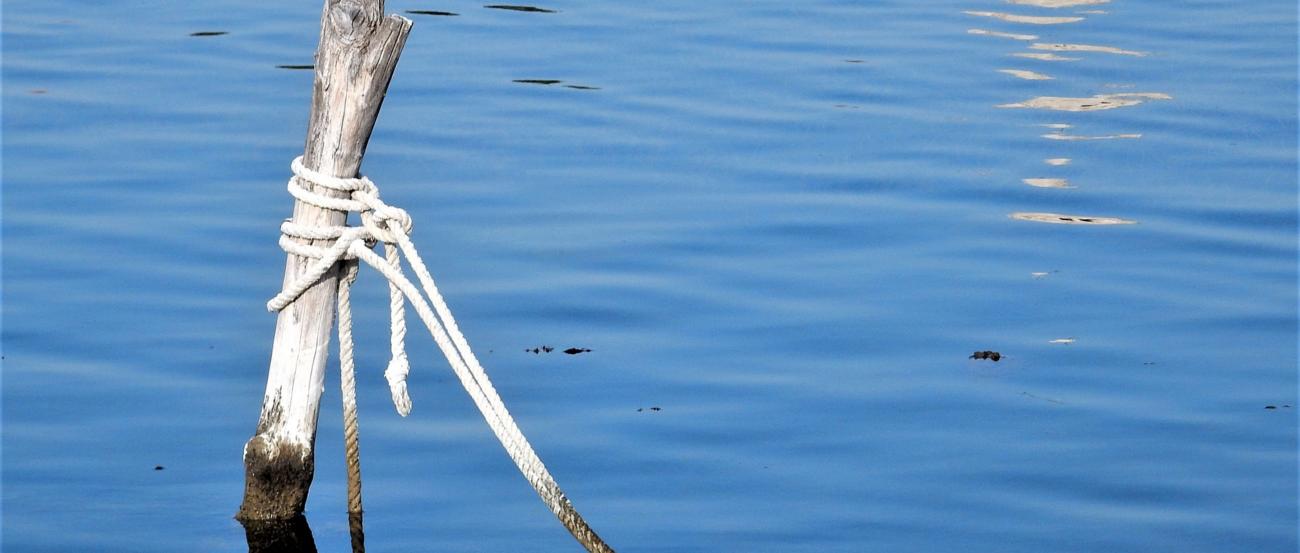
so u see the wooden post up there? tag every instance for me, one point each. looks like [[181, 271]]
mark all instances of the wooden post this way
[[355, 60]]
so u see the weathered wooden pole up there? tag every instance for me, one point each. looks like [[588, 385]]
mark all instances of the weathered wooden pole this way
[[358, 52]]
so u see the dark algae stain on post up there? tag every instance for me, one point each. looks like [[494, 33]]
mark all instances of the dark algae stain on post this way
[[532, 9]]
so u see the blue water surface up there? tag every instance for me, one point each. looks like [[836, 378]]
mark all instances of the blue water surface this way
[[783, 225]]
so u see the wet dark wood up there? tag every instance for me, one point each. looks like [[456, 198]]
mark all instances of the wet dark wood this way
[[279, 536]]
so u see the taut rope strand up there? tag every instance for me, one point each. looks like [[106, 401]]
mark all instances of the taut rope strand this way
[[392, 226]]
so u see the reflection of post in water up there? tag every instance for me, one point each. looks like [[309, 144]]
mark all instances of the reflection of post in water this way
[[280, 536], [294, 535]]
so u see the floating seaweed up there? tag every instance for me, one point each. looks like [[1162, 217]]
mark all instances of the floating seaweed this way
[[296, 67], [987, 354], [209, 33], [575, 351], [431, 12]]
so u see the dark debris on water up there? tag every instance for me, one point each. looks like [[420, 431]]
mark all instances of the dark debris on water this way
[[549, 82], [548, 349], [297, 67], [986, 354], [209, 33], [531, 9], [431, 12], [654, 409]]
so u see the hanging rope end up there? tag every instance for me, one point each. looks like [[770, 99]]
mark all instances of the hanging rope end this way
[[398, 368]]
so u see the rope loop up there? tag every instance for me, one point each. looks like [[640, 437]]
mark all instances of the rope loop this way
[[382, 223]]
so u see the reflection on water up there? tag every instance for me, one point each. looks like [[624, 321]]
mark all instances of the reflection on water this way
[[1026, 75], [1091, 103], [294, 535], [1030, 19], [1047, 183], [1043, 57], [1063, 136], [279, 536], [1062, 219], [1085, 48], [1097, 102], [1012, 36], [1058, 3]]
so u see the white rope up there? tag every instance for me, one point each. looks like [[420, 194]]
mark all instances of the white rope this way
[[392, 226], [348, 384]]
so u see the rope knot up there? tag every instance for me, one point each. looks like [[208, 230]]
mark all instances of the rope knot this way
[[382, 221], [353, 245]]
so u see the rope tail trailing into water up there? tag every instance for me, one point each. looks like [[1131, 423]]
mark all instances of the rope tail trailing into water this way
[[381, 223]]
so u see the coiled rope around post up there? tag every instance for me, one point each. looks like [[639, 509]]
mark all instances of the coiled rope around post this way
[[392, 226]]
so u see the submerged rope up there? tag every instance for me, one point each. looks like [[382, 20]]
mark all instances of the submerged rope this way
[[392, 226]]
